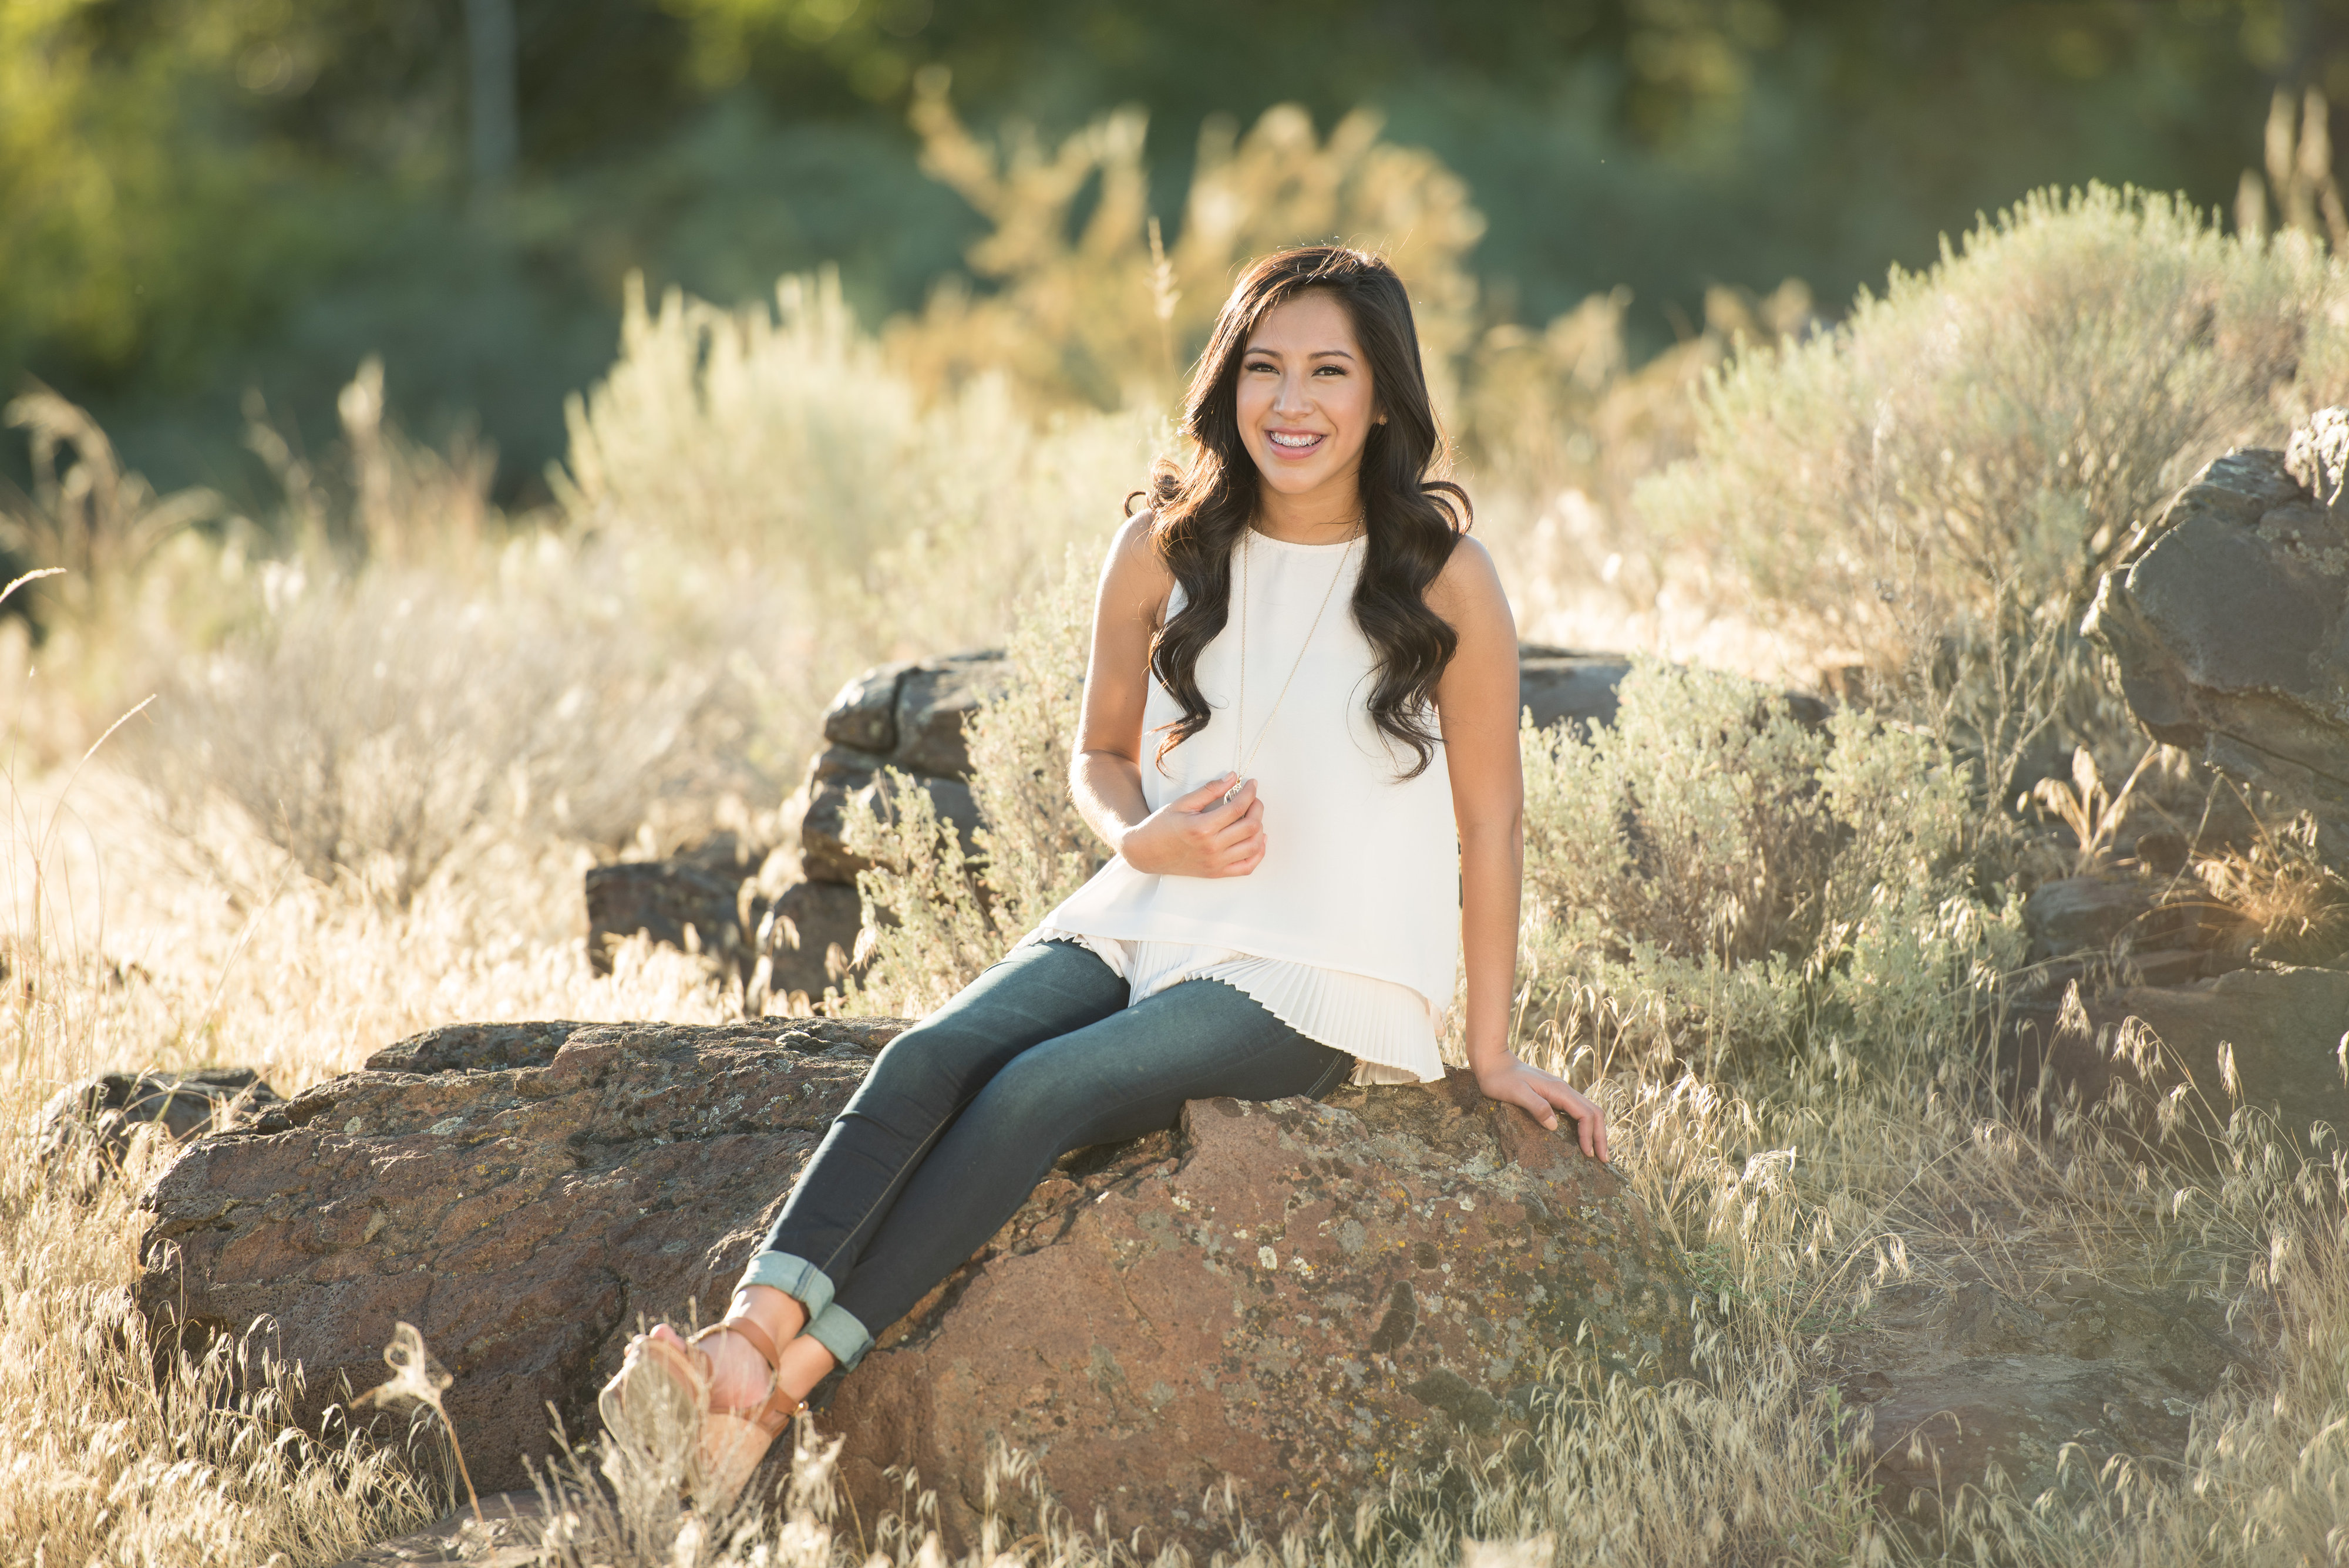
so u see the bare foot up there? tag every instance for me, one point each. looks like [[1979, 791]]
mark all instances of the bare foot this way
[[737, 1374]]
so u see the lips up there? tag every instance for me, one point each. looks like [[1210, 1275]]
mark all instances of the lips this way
[[1295, 443]]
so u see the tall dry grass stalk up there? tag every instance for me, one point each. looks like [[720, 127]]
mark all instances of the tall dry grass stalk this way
[[115, 1448], [106, 1460]]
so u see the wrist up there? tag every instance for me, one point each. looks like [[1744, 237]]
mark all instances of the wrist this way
[[1489, 1055], [1126, 840]]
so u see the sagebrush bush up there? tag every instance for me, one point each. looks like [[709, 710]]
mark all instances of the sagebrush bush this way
[[2007, 419], [786, 443], [374, 729], [1770, 883], [1926, 494]]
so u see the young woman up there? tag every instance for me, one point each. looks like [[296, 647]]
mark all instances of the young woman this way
[[1300, 735]]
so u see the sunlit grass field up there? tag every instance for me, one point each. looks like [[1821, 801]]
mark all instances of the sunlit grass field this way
[[373, 739]]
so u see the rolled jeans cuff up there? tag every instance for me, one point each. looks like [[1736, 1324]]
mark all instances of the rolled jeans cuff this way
[[837, 1330], [796, 1277]]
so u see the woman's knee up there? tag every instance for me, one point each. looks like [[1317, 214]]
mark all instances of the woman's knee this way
[[1038, 1105], [928, 1068]]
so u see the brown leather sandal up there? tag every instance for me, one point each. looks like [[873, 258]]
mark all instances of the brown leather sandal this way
[[730, 1442]]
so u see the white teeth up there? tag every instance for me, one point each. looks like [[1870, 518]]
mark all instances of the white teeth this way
[[1279, 439]]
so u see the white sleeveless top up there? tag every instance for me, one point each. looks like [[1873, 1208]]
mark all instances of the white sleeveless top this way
[[1349, 930]]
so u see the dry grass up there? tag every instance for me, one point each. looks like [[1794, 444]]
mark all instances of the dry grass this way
[[101, 1461], [2294, 907]]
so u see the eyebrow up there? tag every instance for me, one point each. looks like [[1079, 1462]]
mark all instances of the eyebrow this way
[[1316, 354]]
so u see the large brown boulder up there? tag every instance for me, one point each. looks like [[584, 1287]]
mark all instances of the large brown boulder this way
[[1308, 1298], [2230, 626], [1301, 1296], [525, 1194]]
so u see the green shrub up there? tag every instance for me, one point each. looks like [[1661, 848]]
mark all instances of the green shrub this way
[[2007, 419], [1931, 491], [1770, 885], [783, 445]]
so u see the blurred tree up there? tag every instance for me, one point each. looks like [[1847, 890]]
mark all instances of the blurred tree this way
[[494, 132], [1100, 309], [201, 195]]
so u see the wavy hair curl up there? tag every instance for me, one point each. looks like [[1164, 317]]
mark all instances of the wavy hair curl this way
[[1412, 522]]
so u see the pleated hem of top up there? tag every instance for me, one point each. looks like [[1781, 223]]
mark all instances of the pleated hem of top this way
[[1386, 1027]]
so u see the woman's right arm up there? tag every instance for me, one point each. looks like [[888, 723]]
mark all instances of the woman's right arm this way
[[1196, 836]]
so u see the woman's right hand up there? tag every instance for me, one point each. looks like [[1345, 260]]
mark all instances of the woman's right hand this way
[[1199, 835]]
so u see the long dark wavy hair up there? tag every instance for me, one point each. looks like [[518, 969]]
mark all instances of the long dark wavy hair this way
[[1412, 520]]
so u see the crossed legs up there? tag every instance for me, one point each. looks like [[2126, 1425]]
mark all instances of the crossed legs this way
[[959, 1119]]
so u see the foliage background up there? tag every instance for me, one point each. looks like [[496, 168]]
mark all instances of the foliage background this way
[[201, 198]]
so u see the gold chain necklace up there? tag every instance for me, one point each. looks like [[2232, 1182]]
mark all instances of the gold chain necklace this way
[[1239, 715]]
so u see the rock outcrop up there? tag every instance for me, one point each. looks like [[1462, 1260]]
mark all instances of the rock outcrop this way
[[2119, 923], [704, 899], [2279, 1031], [1947, 1382], [1308, 1298], [1567, 686], [1562, 685], [2230, 626], [1297, 1294], [808, 941], [110, 1108], [525, 1194], [909, 717]]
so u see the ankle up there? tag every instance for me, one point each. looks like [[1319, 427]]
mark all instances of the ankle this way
[[782, 1317], [803, 1363]]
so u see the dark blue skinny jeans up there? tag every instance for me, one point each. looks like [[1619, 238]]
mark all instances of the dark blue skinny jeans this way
[[965, 1113]]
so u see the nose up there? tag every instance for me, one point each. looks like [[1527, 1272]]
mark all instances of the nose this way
[[1292, 397]]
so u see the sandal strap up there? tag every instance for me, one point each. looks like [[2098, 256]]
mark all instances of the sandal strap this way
[[757, 1338], [773, 1413]]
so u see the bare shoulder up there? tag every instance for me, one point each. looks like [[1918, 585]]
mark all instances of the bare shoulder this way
[[1468, 591], [1133, 574], [1132, 543]]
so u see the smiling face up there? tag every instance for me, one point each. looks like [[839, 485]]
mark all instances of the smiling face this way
[[1306, 404]]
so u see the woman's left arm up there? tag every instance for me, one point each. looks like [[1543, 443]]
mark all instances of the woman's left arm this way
[[1477, 701]]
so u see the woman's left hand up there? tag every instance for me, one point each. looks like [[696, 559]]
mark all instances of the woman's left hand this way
[[1542, 1096]]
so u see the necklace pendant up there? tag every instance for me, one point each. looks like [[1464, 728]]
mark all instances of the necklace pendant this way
[[1233, 793]]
